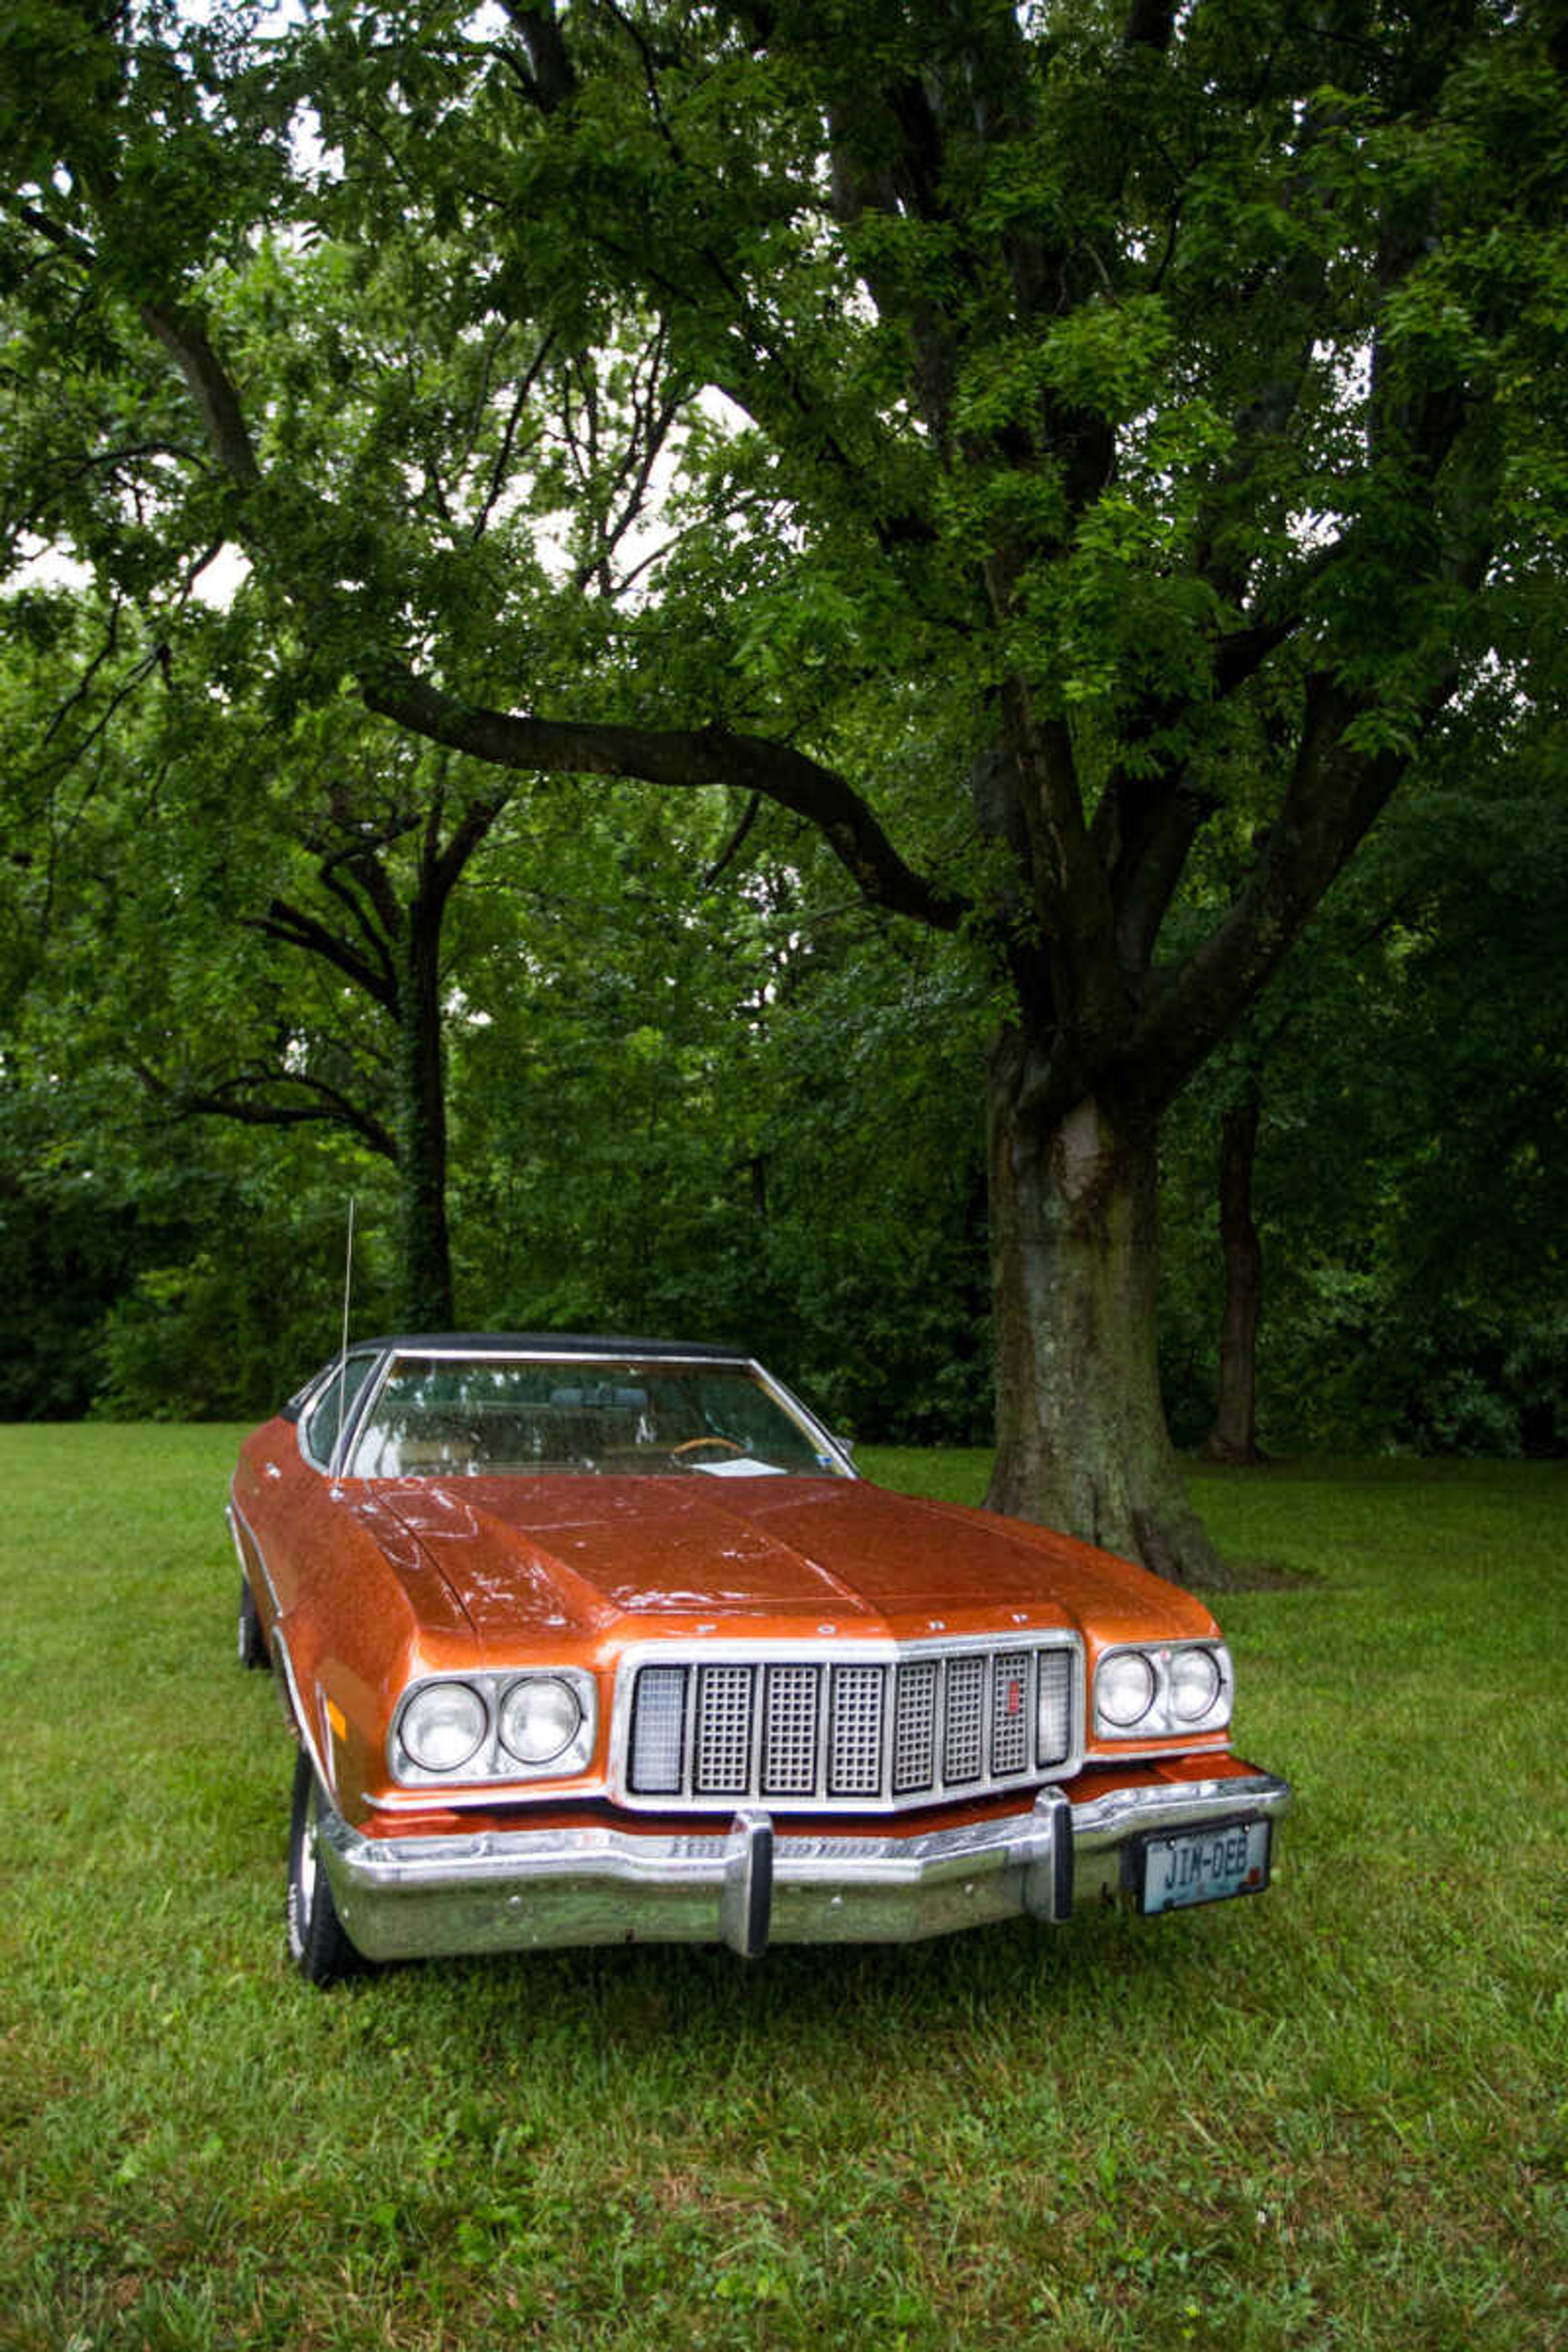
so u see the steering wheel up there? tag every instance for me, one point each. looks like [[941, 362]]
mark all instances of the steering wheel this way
[[709, 1437]]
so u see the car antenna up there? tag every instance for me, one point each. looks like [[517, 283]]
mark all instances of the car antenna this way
[[343, 1351]]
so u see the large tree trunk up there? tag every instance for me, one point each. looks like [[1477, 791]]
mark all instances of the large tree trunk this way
[[1081, 1437], [1234, 1437], [422, 1132]]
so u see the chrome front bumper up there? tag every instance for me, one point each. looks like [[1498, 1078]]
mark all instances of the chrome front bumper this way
[[758, 1882]]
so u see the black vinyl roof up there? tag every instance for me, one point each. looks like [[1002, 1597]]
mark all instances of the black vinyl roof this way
[[551, 1343]]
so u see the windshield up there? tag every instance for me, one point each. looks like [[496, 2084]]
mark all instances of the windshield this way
[[497, 1416]]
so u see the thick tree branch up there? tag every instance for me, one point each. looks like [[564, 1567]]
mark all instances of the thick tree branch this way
[[211, 388], [1161, 818], [332, 875], [296, 928], [551, 80], [1334, 795], [683, 759], [372, 877], [53, 232], [444, 870], [229, 1099]]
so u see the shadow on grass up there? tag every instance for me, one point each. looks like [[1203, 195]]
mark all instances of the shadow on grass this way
[[687, 2001]]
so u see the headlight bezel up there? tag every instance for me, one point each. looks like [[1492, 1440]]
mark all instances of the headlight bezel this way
[[1162, 1719], [491, 1761]]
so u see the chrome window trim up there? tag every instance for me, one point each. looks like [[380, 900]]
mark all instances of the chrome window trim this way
[[695, 1652], [371, 1389], [302, 1406], [318, 1390], [792, 1405]]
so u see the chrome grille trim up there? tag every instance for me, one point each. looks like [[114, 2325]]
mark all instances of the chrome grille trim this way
[[721, 1765], [792, 1705], [914, 1725], [855, 1742], [963, 1730], [856, 1724], [1011, 1729]]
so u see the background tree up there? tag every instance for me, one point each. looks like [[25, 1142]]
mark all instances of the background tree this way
[[1411, 1162], [689, 1086], [384, 848], [1182, 395]]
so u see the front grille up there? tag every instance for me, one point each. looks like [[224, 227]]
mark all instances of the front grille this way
[[789, 1730], [851, 1731], [724, 1728]]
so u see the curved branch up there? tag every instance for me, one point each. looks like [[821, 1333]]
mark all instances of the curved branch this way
[[331, 874], [735, 844], [446, 869], [1334, 795], [210, 387], [328, 1107], [295, 928], [682, 759]]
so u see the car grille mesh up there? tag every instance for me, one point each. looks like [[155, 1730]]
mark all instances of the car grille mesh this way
[[724, 1728], [832, 1732], [855, 1758], [789, 1734], [966, 1699], [1009, 1719], [914, 1726]]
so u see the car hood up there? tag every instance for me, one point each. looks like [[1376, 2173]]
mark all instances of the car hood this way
[[582, 1553]]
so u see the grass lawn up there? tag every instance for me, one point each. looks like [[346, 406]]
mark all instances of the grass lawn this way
[[1336, 2117]]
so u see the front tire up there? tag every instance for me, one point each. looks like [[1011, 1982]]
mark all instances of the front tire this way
[[252, 1640], [318, 1943]]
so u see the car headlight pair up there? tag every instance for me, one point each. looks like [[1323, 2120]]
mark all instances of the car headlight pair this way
[[494, 1727], [1163, 1693]]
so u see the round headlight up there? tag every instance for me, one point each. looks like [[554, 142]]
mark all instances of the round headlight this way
[[443, 1726], [1194, 1684], [540, 1718], [1124, 1689]]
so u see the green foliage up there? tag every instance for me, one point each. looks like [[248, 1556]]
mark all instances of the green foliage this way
[[209, 1331], [727, 1118], [1410, 1186]]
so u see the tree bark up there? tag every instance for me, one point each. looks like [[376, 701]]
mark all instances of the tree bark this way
[[421, 1128], [1234, 1437], [1081, 1436]]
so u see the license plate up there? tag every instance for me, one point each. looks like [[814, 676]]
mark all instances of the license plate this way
[[1205, 1865]]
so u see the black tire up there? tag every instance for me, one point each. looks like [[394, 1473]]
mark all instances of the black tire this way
[[253, 1650], [317, 1945]]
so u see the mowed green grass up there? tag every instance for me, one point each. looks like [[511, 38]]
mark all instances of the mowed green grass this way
[[1337, 2117]]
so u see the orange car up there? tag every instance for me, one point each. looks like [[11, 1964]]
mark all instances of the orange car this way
[[599, 1641]]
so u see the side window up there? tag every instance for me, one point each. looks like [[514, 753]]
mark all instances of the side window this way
[[320, 1433]]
